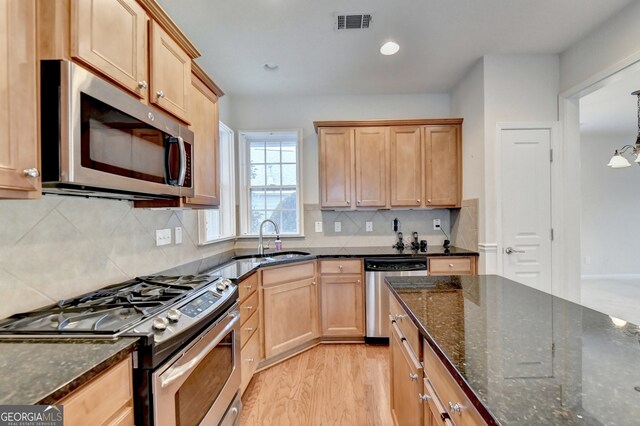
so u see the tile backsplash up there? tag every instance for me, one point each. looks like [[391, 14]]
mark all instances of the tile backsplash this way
[[59, 247]]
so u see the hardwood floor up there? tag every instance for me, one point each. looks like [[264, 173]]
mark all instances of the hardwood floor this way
[[346, 384]]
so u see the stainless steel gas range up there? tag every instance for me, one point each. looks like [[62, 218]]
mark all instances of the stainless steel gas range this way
[[187, 366]]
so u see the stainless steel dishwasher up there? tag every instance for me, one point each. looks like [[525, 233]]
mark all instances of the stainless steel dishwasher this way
[[376, 293]]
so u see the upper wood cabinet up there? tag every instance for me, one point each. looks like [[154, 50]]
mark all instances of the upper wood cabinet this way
[[371, 159], [390, 163], [406, 166], [110, 36], [443, 178], [19, 114], [334, 147], [170, 73]]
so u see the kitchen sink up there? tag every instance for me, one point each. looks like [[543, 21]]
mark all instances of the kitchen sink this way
[[272, 257]]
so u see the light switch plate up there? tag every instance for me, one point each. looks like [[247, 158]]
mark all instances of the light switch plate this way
[[163, 237], [178, 234], [337, 226], [368, 226], [436, 224], [318, 226]]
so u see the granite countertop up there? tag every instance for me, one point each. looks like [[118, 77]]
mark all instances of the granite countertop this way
[[525, 357], [43, 371]]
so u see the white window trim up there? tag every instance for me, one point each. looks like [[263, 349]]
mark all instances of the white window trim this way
[[227, 197], [244, 178]]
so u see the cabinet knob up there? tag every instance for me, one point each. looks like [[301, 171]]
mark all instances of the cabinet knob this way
[[249, 329], [249, 360], [358, 202], [143, 84], [428, 200], [424, 397], [418, 200], [248, 287], [32, 172], [455, 408], [248, 308], [413, 377], [340, 267], [160, 94], [348, 202], [358, 281], [451, 265], [399, 316], [313, 283]]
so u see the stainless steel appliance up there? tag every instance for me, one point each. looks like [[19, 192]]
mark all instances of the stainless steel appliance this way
[[376, 293], [98, 140], [187, 366]]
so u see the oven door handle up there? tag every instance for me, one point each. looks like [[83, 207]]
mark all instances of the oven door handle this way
[[174, 373], [183, 162]]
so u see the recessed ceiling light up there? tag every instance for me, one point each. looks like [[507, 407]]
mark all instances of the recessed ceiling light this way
[[270, 66], [389, 48]]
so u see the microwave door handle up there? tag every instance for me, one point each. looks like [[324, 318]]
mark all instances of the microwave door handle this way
[[183, 162], [174, 373], [167, 159]]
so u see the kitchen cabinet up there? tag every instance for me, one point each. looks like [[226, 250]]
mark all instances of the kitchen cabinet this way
[[342, 298], [406, 171], [111, 38], [371, 159], [335, 172], [290, 303], [19, 113], [105, 400], [459, 265], [405, 380], [249, 329], [390, 163], [442, 159]]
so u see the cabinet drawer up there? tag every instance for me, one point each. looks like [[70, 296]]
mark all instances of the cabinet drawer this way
[[248, 307], [104, 399], [249, 327], [451, 266], [247, 286], [448, 391], [340, 267], [249, 356], [406, 326], [285, 274]]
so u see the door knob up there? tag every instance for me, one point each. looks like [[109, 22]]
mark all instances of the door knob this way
[[511, 250]]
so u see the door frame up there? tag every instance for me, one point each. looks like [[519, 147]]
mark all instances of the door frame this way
[[556, 181]]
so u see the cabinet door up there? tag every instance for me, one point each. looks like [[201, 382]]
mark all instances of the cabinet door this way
[[342, 306], [334, 146], [110, 36], [405, 166], [371, 154], [290, 316], [406, 386], [19, 115], [170, 73], [204, 124], [442, 152]]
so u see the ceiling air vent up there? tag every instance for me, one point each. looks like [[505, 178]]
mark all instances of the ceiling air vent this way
[[352, 21]]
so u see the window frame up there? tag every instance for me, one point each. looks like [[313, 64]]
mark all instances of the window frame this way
[[246, 136], [227, 207]]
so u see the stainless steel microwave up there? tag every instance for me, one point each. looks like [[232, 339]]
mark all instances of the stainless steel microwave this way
[[100, 141]]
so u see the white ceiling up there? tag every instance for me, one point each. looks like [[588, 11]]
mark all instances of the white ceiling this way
[[439, 40]]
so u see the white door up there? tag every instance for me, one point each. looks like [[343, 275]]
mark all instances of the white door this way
[[526, 206]]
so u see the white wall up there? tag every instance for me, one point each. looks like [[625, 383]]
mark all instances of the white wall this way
[[287, 112], [610, 207], [613, 42], [224, 109]]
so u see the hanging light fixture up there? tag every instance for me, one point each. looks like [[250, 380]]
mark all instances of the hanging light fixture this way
[[618, 161]]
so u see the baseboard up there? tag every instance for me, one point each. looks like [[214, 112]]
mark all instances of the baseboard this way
[[610, 277]]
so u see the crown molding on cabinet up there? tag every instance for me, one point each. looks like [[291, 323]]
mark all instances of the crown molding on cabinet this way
[[372, 123]]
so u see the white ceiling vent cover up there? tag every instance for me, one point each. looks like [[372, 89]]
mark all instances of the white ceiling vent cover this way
[[352, 21]]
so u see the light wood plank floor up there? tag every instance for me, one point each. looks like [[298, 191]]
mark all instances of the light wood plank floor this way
[[346, 384]]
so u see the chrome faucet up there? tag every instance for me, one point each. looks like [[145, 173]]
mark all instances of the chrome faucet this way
[[260, 246]]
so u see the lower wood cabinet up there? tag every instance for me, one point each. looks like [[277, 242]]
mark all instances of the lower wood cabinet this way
[[406, 381], [249, 357], [290, 299], [450, 265], [342, 298], [249, 329], [105, 400]]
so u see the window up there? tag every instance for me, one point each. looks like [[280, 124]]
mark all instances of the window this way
[[271, 181], [220, 224]]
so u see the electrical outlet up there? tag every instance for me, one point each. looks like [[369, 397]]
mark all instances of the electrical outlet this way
[[436, 224], [178, 234], [318, 226], [337, 226], [368, 226], [163, 237]]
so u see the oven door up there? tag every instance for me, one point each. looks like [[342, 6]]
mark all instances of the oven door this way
[[198, 384]]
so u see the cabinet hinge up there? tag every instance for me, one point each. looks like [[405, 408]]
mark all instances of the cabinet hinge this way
[[551, 156]]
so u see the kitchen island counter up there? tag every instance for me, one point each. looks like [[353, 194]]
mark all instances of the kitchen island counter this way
[[44, 371], [524, 357]]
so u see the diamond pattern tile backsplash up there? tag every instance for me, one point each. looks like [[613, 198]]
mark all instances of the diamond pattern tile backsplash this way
[[59, 247]]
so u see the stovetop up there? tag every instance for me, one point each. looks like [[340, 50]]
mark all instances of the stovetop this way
[[108, 311]]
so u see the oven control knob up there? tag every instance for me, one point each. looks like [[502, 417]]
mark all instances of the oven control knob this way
[[223, 284], [174, 315], [160, 323]]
